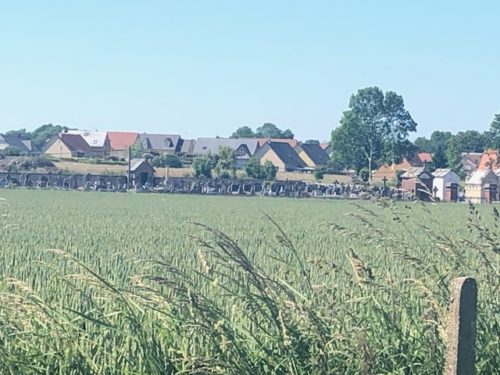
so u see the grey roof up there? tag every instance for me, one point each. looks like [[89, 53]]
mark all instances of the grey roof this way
[[187, 146], [212, 145], [414, 172], [136, 163], [19, 143], [285, 152], [441, 172], [165, 142], [75, 142], [316, 153]]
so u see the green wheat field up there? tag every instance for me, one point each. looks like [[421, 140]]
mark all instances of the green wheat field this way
[[101, 283]]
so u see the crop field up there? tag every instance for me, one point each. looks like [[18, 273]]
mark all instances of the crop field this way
[[102, 283]]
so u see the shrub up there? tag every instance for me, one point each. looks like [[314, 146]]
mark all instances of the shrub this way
[[11, 151], [364, 174], [319, 174], [255, 170], [203, 166], [269, 171], [163, 161]]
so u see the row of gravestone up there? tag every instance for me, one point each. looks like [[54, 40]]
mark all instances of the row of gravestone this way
[[255, 187], [181, 185], [63, 180]]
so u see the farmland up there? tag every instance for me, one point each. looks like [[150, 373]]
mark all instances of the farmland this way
[[137, 283]]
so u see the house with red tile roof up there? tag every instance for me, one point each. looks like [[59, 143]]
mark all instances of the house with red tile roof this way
[[425, 157], [489, 160], [390, 171], [119, 143]]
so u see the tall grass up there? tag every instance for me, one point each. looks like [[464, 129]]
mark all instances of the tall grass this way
[[310, 288]]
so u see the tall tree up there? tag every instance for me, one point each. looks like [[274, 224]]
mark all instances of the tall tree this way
[[492, 136], [269, 130], [243, 132], [439, 139], [424, 145], [439, 158], [374, 128], [468, 141], [397, 125]]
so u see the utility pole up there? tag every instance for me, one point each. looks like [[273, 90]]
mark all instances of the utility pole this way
[[129, 185]]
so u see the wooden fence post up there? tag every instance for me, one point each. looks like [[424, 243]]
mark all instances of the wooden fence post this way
[[461, 330]]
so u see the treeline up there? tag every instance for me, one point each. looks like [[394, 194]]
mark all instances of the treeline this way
[[267, 130]]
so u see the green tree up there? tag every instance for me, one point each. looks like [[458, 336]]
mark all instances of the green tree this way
[[439, 159], [253, 169], [22, 133], [269, 130], [397, 124], [225, 162], [312, 142], [346, 148], [375, 127], [424, 145], [439, 139], [492, 136], [137, 151], [43, 133], [269, 171], [11, 151], [203, 166], [171, 161], [319, 174], [468, 141], [243, 132]]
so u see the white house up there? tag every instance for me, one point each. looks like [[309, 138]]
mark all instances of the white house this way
[[443, 177]]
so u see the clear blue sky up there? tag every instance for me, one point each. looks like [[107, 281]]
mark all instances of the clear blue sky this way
[[203, 68]]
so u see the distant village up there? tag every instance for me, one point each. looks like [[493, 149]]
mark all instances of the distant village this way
[[412, 176]]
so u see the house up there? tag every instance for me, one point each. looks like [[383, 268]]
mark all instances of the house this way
[[292, 142], [66, 145], [390, 171], [3, 143], [470, 162], [445, 185], [327, 146], [489, 159], [425, 157], [482, 186], [282, 155], [418, 181], [24, 146], [97, 140], [312, 154], [160, 144], [119, 143], [187, 147], [141, 173], [244, 148]]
